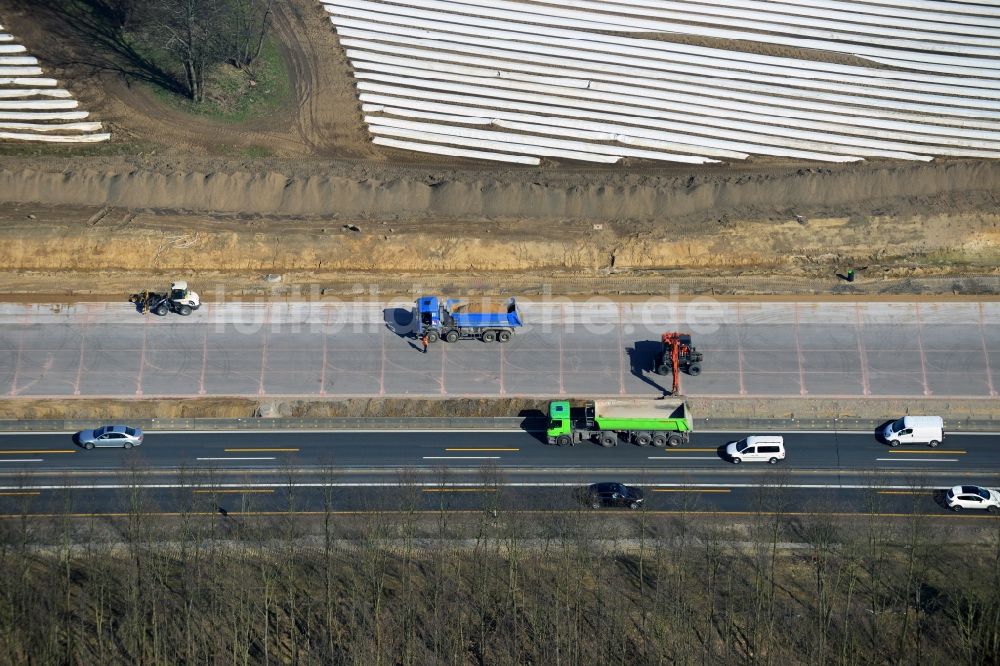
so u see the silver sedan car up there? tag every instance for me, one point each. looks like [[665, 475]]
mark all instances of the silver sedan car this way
[[117, 436]]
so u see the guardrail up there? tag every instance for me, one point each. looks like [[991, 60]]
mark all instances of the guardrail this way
[[529, 423]]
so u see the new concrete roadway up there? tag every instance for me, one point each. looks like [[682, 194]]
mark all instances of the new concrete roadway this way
[[578, 349], [850, 472]]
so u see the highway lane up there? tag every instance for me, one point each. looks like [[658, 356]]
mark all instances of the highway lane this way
[[825, 458], [251, 499]]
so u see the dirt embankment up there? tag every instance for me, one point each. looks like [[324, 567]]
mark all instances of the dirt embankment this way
[[366, 189], [116, 244], [728, 409]]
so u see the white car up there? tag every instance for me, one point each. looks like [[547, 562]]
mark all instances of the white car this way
[[972, 497]]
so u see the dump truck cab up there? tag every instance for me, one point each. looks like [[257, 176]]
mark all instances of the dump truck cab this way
[[560, 428]]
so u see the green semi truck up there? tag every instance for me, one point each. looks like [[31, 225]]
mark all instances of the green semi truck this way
[[642, 421]]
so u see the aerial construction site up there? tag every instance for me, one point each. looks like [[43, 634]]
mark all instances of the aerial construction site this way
[[458, 286]]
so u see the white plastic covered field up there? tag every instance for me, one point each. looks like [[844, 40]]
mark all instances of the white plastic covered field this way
[[588, 80], [34, 108]]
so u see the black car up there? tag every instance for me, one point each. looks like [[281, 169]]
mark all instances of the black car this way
[[614, 494]]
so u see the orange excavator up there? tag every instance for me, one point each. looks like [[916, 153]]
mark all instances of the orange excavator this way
[[678, 355]]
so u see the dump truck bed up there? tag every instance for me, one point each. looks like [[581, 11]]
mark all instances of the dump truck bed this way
[[649, 414]]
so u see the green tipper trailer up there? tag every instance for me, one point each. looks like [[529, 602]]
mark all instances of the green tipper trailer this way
[[642, 421]]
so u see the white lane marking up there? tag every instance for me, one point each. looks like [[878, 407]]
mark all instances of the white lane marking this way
[[684, 458], [461, 457], [272, 458], [23, 460], [917, 459]]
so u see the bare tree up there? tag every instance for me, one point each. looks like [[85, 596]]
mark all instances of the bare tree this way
[[192, 32], [248, 22]]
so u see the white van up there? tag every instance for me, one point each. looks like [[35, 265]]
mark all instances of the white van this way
[[757, 448], [915, 430]]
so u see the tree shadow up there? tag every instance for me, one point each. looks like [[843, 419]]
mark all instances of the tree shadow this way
[[90, 34], [642, 359]]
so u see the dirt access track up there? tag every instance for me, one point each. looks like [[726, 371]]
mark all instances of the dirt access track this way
[[175, 193]]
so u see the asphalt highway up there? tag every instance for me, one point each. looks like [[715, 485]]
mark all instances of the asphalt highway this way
[[468, 470]]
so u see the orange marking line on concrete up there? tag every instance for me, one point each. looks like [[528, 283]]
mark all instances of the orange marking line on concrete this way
[[691, 490], [237, 491], [19, 494], [459, 490]]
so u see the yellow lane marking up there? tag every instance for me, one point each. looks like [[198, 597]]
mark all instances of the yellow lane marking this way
[[19, 494], [27, 451], [235, 491], [939, 452], [691, 490], [459, 490], [903, 492], [251, 450], [478, 449], [686, 450]]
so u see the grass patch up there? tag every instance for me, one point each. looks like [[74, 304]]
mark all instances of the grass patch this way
[[237, 95]]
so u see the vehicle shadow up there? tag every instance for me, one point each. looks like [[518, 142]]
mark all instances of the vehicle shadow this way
[[400, 321], [534, 422], [721, 452], [879, 437], [939, 499], [642, 359]]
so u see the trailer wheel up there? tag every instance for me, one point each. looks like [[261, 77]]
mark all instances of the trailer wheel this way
[[184, 310], [503, 336], [608, 440], [451, 336], [674, 440], [659, 441], [489, 336], [432, 336], [643, 439], [564, 440], [694, 369], [160, 310], [662, 370]]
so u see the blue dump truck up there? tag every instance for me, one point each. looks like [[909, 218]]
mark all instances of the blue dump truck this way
[[455, 319]]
